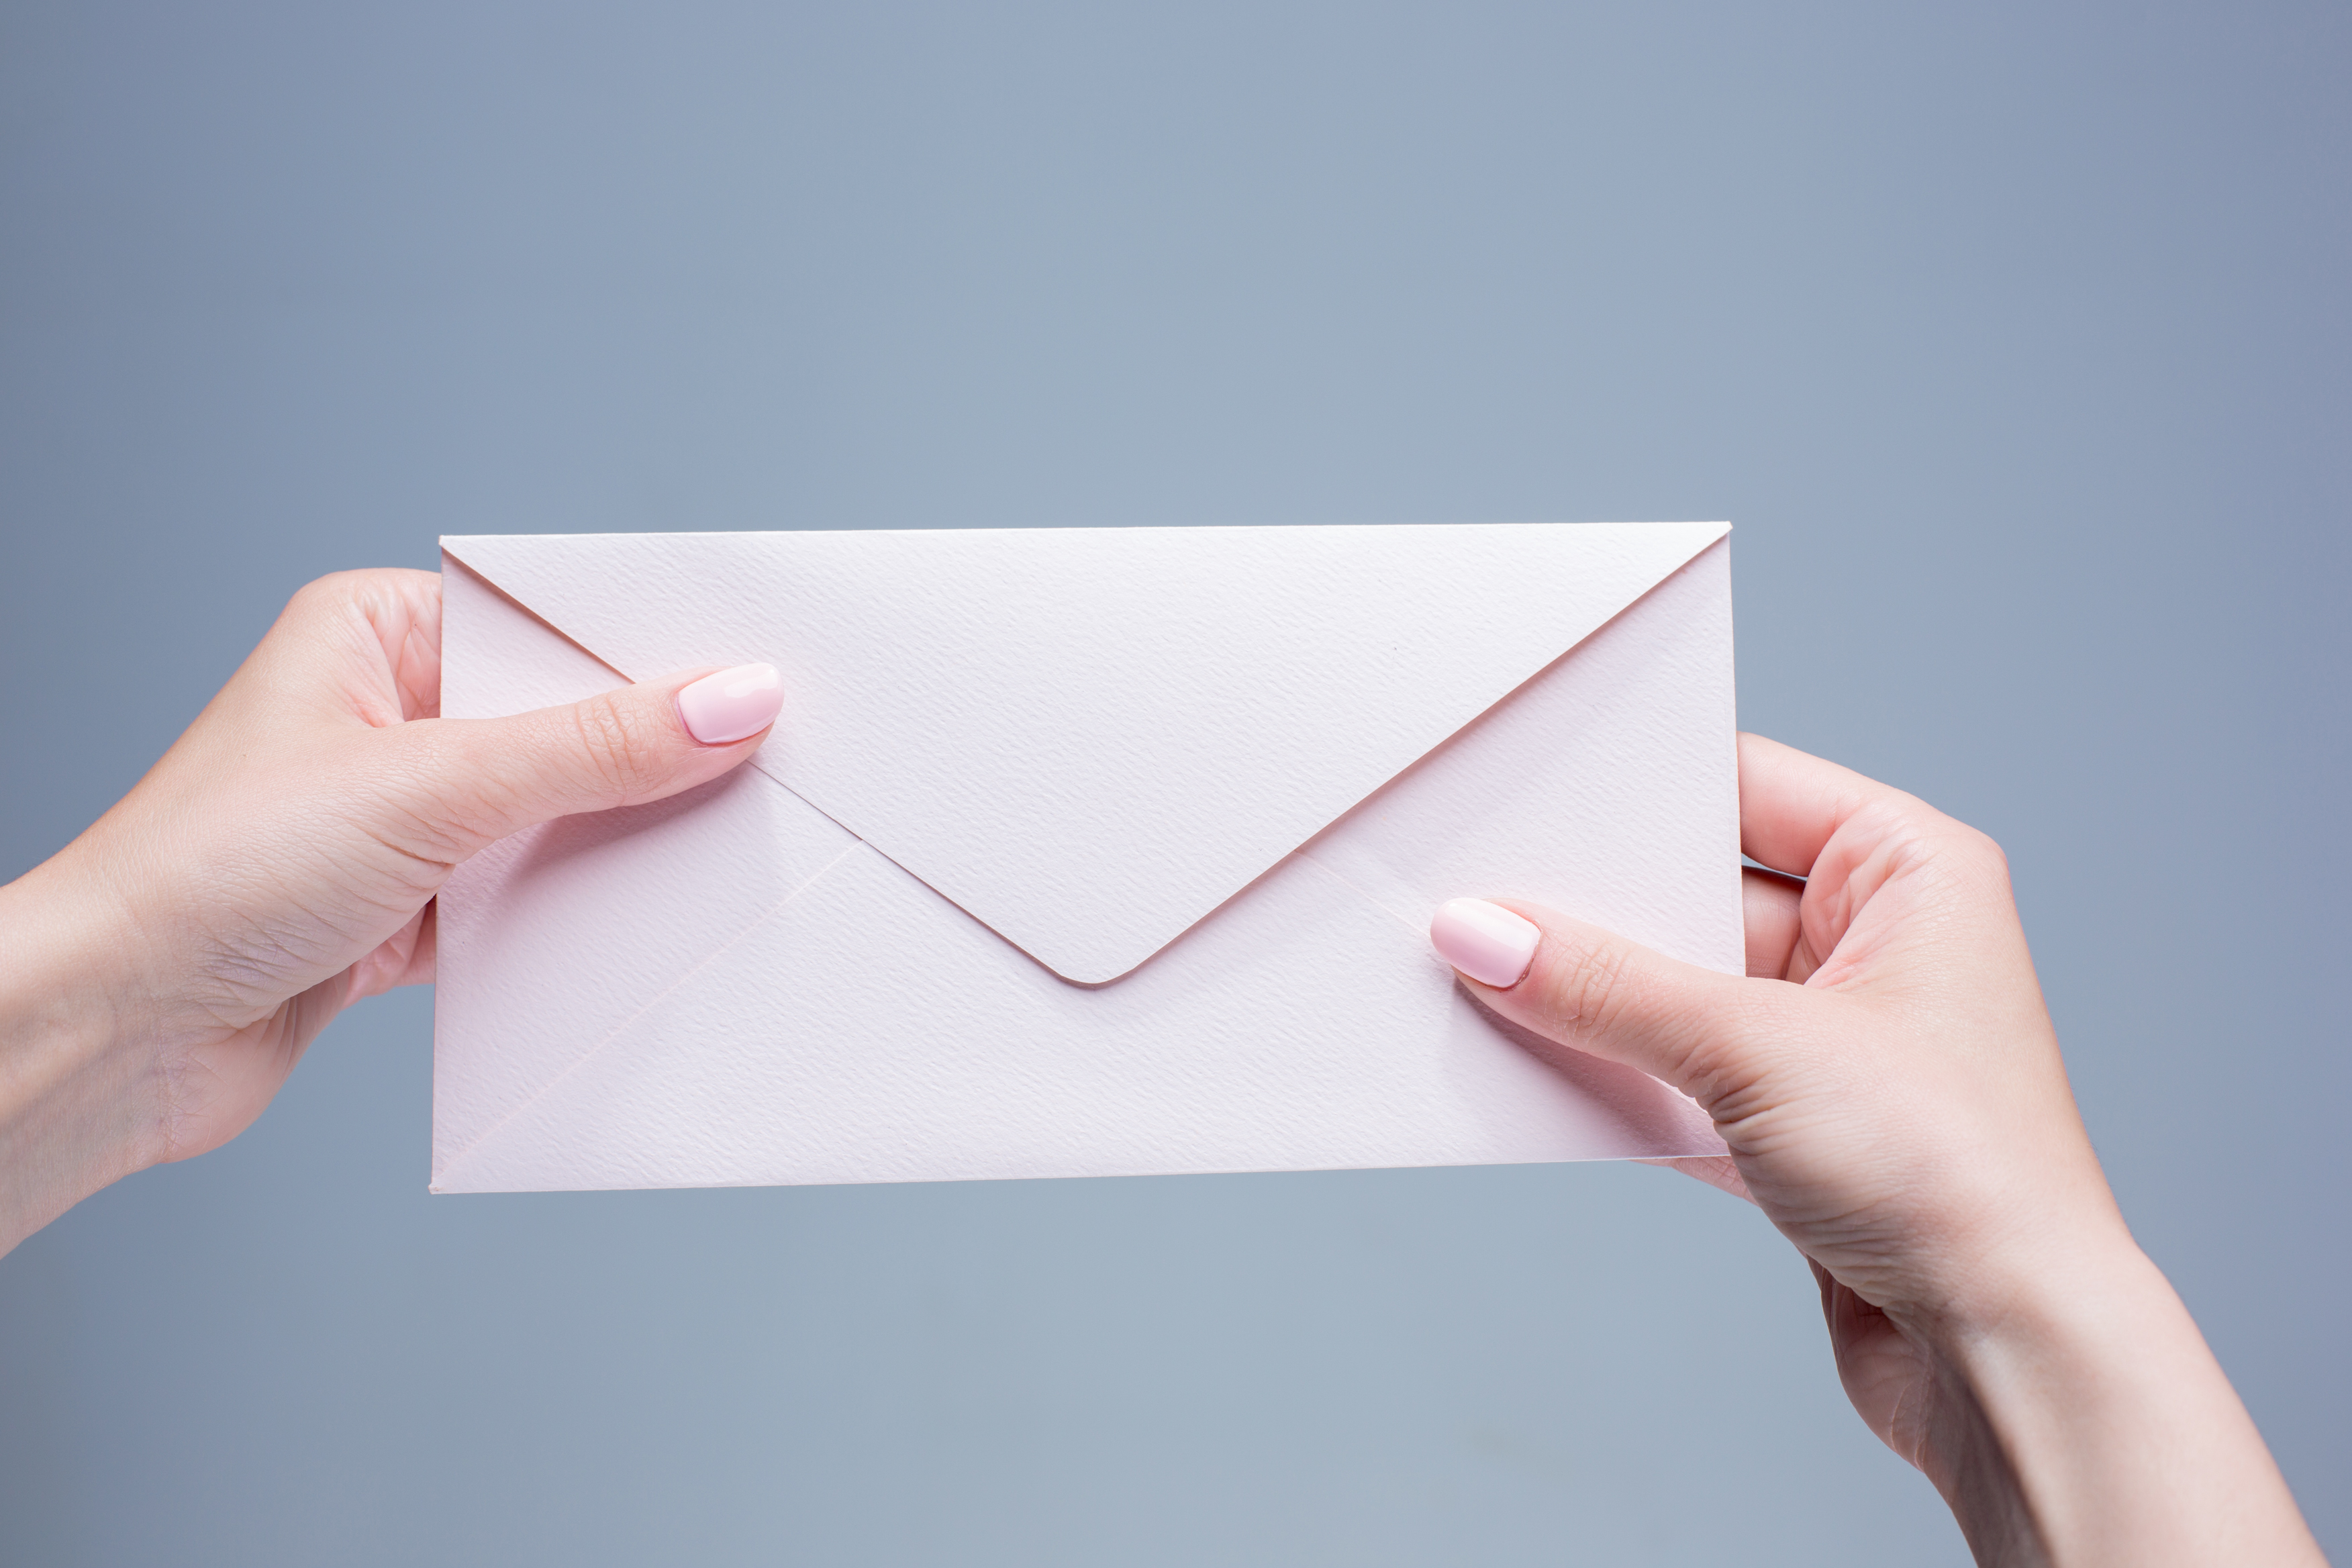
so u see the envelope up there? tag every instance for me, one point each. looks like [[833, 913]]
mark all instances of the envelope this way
[[1082, 852]]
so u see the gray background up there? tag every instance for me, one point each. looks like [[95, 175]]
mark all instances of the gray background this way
[[2013, 338]]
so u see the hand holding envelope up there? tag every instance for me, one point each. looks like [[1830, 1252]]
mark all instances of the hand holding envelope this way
[[1082, 852], [1096, 852]]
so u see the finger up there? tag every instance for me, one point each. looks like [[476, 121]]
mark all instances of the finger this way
[[1850, 836], [481, 779], [1791, 802], [1770, 905], [1594, 991], [404, 958], [362, 644]]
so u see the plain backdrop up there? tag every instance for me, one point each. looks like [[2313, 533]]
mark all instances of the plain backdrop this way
[[2013, 338]]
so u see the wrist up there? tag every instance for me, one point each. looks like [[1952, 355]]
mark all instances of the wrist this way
[[78, 1089], [2086, 1420]]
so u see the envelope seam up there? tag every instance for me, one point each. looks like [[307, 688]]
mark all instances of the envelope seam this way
[[553, 630], [1083, 954], [625, 1024]]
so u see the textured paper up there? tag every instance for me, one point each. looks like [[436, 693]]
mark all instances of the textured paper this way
[[1082, 852]]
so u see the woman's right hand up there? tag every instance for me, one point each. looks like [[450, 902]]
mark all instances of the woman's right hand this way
[[1891, 1090], [168, 967]]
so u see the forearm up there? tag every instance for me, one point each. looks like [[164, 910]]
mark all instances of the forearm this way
[[2091, 1424], [76, 1095]]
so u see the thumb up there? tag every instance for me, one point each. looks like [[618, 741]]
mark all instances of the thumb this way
[[485, 778], [1593, 990]]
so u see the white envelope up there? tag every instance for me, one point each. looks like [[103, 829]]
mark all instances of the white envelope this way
[[1082, 852]]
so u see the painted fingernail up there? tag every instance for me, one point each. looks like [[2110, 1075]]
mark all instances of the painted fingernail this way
[[731, 704], [1486, 941]]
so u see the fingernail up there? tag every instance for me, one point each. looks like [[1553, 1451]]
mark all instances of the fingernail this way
[[732, 703], [1486, 941]]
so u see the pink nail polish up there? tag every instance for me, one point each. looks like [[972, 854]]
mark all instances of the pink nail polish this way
[[1486, 941], [732, 704]]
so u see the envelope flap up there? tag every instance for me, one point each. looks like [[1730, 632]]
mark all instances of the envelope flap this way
[[1090, 738]]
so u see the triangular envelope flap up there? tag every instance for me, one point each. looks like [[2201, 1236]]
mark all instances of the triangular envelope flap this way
[[1090, 738]]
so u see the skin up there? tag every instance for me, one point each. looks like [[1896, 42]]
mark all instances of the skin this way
[[1887, 1079], [168, 968], [1890, 1087]]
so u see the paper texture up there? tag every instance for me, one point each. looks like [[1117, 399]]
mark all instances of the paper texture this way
[[1089, 851]]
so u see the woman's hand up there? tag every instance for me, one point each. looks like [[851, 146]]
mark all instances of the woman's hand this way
[[1900, 1111], [165, 971], [1891, 1090]]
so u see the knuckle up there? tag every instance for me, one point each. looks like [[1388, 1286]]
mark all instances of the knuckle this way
[[1984, 850], [305, 611], [1909, 833], [317, 588], [410, 789], [436, 831], [1963, 858], [324, 595], [1585, 988], [1985, 866], [1914, 822], [623, 747], [1894, 819]]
